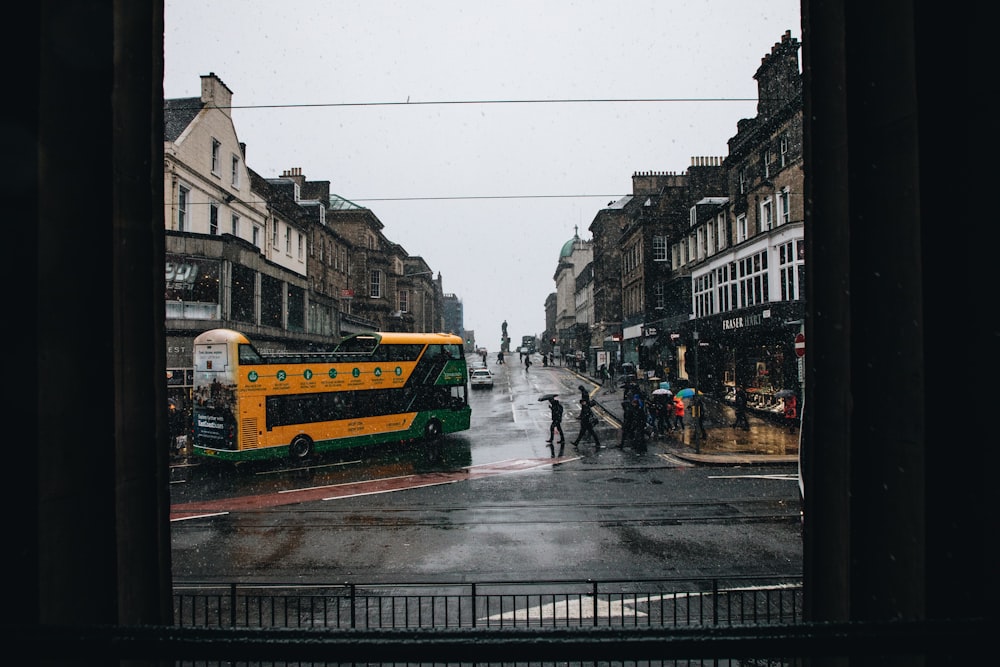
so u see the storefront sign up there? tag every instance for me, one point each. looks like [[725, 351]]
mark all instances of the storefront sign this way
[[742, 321]]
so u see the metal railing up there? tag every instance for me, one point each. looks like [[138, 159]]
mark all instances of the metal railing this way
[[730, 622], [668, 603]]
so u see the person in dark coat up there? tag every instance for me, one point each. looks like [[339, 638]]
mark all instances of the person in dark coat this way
[[634, 425], [557, 414], [698, 414], [587, 421], [741, 409]]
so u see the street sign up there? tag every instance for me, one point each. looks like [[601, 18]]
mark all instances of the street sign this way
[[800, 345]]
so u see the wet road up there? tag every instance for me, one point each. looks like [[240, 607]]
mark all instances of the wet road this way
[[492, 504]]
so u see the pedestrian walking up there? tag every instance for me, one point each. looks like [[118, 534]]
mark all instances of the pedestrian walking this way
[[698, 414], [584, 394], [678, 414], [741, 409], [484, 357], [587, 422], [527, 362], [662, 407], [634, 424], [499, 357], [604, 374], [791, 412], [556, 408]]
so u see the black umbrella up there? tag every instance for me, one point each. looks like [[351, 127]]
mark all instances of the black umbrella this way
[[784, 393], [546, 397]]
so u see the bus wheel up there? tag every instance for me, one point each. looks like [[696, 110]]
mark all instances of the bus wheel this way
[[300, 449], [433, 429]]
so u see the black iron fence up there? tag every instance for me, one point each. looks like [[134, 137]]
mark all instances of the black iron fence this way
[[670, 603], [728, 622]]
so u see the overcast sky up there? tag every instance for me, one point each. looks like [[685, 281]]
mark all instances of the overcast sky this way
[[482, 134]]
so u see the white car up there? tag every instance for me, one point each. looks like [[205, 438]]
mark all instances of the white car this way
[[481, 377]]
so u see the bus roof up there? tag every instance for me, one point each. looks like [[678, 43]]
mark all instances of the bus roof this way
[[404, 337]]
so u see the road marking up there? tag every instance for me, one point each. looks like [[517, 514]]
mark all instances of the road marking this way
[[183, 517], [670, 458], [785, 477], [333, 486], [223, 506], [375, 493]]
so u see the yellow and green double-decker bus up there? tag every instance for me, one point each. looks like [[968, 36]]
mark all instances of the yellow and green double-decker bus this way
[[374, 387]]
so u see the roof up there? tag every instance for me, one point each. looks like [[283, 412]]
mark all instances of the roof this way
[[620, 203], [338, 203], [567, 249], [178, 114]]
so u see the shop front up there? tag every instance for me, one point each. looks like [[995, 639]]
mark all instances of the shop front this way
[[753, 347]]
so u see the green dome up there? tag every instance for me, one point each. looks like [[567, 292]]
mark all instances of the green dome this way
[[567, 248]]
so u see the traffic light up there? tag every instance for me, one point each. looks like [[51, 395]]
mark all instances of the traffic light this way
[[552, 340]]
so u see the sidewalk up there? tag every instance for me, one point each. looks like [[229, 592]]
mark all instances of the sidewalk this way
[[767, 441]]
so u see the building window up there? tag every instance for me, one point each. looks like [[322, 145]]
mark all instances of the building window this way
[[753, 279], [765, 158], [213, 219], [288, 241], [216, 167], [235, 172], [783, 149], [743, 180], [404, 301], [256, 235], [659, 248], [375, 284], [790, 262], [786, 206], [274, 236], [236, 225], [659, 298], [704, 297], [302, 244], [183, 197], [766, 215], [720, 232], [742, 234]]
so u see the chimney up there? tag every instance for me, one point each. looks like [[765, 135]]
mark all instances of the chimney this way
[[295, 173], [215, 93]]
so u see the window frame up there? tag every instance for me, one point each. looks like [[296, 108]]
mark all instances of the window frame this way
[[213, 218], [183, 207], [216, 157]]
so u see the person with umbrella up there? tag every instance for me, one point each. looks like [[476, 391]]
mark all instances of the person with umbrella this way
[[661, 405], [556, 408], [678, 414]]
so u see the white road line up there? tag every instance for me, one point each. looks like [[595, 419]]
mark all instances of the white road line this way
[[198, 516], [333, 486], [670, 458], [405, 488], [785, 477]]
